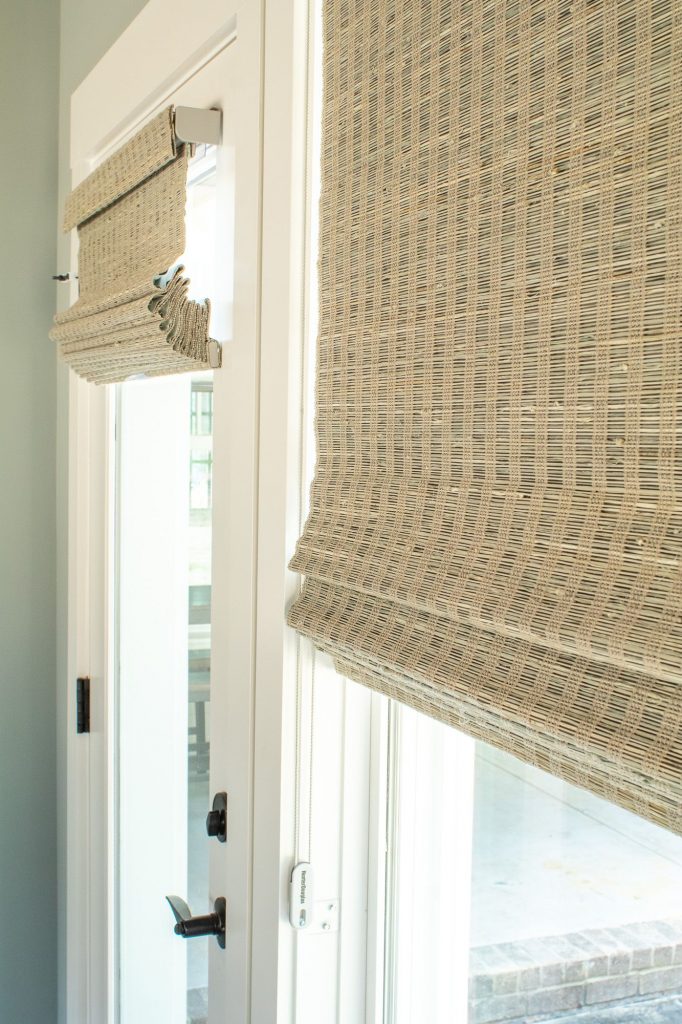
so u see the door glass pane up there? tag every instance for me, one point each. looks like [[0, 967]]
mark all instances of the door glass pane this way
[[199, 681], [515, 897], [164, 429], [576, 904]]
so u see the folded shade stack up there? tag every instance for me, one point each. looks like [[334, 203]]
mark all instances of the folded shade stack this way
[[133, 315]]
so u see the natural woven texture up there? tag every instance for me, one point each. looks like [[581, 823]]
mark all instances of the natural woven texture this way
[[495, 532], [149, 150], [133, 315]]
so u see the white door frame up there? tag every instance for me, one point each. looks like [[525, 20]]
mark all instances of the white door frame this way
[[166, 46], [89, 821]]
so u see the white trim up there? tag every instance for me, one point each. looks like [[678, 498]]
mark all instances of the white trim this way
[[331, 953], [166, 46], [88, 756], [428, 896], [377, 866], [279, 500], [77, 747], [353, 967]]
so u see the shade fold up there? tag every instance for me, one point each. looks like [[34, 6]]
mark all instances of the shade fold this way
[[133, 315]]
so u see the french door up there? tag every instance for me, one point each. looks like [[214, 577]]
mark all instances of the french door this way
[[163, 521]]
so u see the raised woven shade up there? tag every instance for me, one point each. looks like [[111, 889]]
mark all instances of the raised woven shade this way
[[495, 533], [133, 315]]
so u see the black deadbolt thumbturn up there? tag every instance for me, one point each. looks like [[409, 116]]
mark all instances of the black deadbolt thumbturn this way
[[216, 819], [194, 927]]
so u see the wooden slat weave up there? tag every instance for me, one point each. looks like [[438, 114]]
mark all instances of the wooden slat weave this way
[[133, 316], [495, 531]]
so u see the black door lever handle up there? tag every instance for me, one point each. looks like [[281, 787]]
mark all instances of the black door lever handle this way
[[205, 924]]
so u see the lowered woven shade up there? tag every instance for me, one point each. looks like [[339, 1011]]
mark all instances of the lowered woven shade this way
[[133, 315], [495, 531]]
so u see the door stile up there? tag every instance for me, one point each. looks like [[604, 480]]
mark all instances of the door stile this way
[[284, 323], [235, 501], [88, 822]]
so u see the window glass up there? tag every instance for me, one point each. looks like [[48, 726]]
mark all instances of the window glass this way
[[576, 904], [201, 410], [163, 581], [515, 897]]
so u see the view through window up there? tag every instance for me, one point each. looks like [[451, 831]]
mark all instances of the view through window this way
[[199, 681], [514, 897], [576, 904], [164, 430]]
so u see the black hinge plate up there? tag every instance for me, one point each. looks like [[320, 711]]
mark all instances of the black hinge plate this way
[[83, 704]]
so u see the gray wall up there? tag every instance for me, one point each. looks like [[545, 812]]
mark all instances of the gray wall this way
[[28, 196], [41, 63], [88, 29]]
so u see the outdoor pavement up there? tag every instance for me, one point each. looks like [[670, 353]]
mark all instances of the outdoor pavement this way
[[660, 1011], [551, 859]]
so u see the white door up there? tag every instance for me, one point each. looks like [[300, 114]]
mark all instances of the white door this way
[[198, 687], [163, 491]]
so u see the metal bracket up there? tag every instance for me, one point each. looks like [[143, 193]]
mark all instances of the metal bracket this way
[[196, 126], [325, 917]]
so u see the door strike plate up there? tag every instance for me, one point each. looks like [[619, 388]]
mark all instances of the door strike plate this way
[[83, 704]]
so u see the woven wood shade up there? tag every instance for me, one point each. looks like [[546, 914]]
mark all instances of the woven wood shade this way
[[133, 315], [495, 533]]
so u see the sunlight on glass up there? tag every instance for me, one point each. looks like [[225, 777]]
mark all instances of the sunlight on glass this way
[[576, 904], [208, 230], [163, 580], [522, 895]]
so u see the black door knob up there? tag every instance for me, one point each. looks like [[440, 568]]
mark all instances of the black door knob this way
[[216, 819], [205, 924]]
